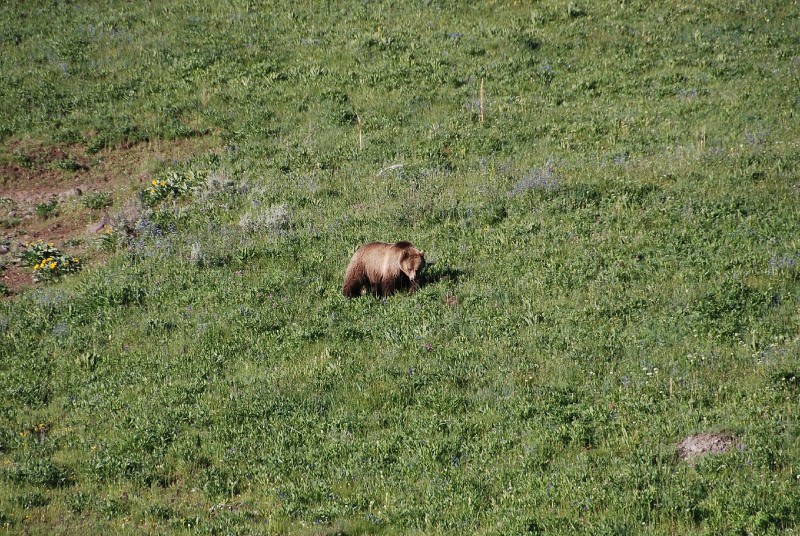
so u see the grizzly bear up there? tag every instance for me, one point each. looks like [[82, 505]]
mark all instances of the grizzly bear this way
[[383, 268]]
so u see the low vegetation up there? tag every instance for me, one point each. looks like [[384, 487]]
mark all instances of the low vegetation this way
[[610, 195]]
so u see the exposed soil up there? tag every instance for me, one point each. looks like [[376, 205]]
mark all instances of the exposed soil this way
[[33, 175], [703, 444]]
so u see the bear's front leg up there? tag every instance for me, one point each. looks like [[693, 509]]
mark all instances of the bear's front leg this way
[[387, 287]]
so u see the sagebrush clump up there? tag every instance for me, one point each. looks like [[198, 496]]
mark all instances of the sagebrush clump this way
[[274, 220]]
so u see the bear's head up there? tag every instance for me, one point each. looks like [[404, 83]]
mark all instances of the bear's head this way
[[412, 261]]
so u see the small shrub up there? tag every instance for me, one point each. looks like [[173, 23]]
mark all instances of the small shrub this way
[[72, 242], [87, 360], [97, 200], [219, 482], [80, 502], [49, 263], [40, 472], [575, 11], [96, 144], [544, 178], [35, 252], [52, 268], [111, 507], [8, 218], [9, 222], [129, 221], [196, 254], [218, 183], [23, 159], [174, 184], [67, 164], [160, 512], [212, 251], [787, 264], [546, 72], [108, 240], [31, 500], [730, 306], [48, 209], [276, 220]]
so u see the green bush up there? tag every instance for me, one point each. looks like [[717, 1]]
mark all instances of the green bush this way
[[49, 263], [47, 209], [97, 200], [173, 184]]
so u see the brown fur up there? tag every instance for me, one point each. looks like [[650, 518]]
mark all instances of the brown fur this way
[[383, 268]]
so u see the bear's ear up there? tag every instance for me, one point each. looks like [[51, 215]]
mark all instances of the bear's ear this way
[[404, 255]]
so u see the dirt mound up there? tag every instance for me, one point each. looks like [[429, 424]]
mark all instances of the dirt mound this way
[[702, 444]]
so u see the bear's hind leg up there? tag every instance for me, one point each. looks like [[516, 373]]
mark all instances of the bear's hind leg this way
[[353, 288]]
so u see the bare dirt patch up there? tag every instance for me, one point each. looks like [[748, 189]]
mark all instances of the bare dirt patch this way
[[700, 445], [43, 193]]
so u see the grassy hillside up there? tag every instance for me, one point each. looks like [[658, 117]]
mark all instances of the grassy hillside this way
[[617, 249]]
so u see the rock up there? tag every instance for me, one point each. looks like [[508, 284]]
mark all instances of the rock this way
[[4, 249], [70, 194], [97, 227]]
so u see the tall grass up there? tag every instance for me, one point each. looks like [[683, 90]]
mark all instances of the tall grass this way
[[615, 248]]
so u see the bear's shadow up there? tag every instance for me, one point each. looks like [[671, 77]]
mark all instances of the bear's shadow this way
[[435, 273]]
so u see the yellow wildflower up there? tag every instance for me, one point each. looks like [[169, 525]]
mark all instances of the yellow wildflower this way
[[163, 183], [52, 266], [154, 183]]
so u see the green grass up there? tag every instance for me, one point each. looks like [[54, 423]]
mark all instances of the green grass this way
[[616, 246]]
